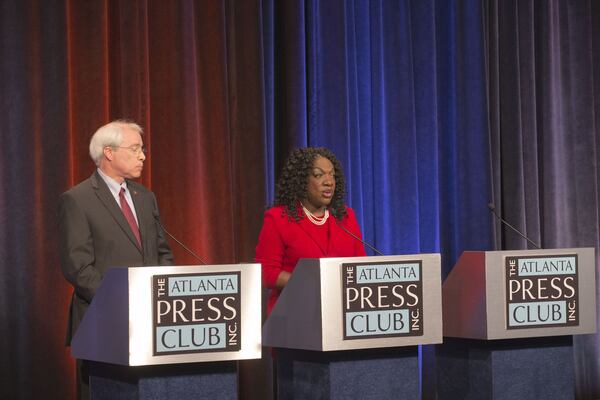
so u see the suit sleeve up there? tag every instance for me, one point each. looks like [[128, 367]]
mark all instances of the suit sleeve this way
[[269, 251], [76, 248], [165, 256]]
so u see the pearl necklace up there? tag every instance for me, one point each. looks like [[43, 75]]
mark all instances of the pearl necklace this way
[[313, 218]]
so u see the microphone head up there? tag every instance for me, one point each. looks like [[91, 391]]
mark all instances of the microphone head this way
[[491, 206]]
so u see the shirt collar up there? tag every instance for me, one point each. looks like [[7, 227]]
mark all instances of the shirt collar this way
[[114, 186]]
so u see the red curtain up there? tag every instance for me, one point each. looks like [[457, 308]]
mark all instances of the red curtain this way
[[189, 73]]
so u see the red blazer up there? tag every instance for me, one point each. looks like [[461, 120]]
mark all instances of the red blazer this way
[[282, 243]]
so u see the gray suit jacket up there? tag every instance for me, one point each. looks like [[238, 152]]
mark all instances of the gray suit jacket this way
[[94, 235]]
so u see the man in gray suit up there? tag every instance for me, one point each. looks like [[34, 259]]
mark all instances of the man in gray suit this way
[[108, 220]]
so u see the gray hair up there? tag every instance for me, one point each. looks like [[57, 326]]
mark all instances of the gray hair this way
[[110, 135]]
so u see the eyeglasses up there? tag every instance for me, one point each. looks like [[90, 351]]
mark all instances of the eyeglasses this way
[[135, 149]]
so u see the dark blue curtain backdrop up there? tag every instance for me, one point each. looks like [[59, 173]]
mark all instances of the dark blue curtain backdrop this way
[[435, 108], [544, 95], [397, 90]]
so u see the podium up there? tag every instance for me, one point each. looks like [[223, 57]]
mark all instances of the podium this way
[[508, 321], [350, 327], [171, 332]]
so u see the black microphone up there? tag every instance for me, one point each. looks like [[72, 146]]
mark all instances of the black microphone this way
[[157, 219], [357, 238], [492, 208]]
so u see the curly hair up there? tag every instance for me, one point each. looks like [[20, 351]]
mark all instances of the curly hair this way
[[293, 181]]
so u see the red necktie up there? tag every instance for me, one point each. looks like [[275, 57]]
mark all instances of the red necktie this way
[[129, 216]]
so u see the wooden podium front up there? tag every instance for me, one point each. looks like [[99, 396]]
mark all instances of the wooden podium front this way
[[171, 332], [509, 317], [349, 327]]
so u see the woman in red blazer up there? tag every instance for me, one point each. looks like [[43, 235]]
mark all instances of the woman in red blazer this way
[[308, 220]]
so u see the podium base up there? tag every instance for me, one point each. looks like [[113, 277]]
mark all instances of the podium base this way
[[390, 373], [166, 382], [532, 368]]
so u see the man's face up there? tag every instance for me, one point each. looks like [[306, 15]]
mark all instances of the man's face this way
[[128, 159]]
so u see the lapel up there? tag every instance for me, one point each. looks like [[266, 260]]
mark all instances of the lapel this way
[[106, 198], [335, 236], [331, 233], [304, 225]]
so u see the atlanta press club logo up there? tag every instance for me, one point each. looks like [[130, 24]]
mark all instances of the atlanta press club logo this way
[[382, 299], [196, 313], [542, 291]]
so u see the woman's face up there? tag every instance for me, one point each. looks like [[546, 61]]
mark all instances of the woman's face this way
[[321, 185]]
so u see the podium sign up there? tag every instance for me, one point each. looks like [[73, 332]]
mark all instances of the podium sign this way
[[382, 299], [196, 313], [542, 291], [515, 294], [166, 315], [358, 303]]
